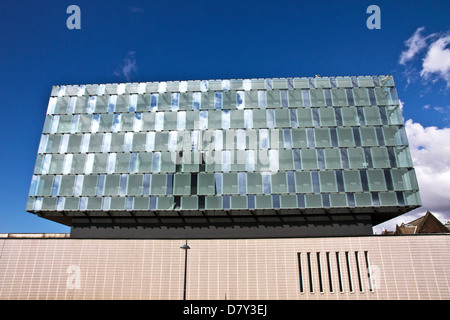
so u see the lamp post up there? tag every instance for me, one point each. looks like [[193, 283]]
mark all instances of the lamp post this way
[[185, 247]]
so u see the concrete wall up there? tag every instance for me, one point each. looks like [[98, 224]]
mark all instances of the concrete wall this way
[[401, 267]]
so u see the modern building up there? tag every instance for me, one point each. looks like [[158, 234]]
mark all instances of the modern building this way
[[289, 157], [227, 190]]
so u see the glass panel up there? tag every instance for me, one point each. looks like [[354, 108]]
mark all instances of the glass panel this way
[[66, 186], [156, 162], [361, 97], [304, 117], [295, 98], [327, 181], [368, 136], [89, 185], [363, 199], [84, 123], [101, 104], [262, 102], [332, 159], [236, 119], [259, 119], [352, 181], [206, 183], [182, 184], [327, 117], [100, 185], [112, 185], [163, 203], [158, 184], [78, 161], [164, 101], [106, 121], [122, 102], [189, 203], [309, 159], [63, 124], [186, 99], [376, 180], [71, 203], [135, 184], [388, 199], [412, 198], [123, 184], [299, 138], [162, 140], [279, 182], [282, 118], [117, 204], [356, 158], [144, 162], [251, 99], [263, 202], [202, 100], [167, 162], [192, 120], [117, 142], [339, 97], [286, 160], [303, 182], [230, 183], [313, 201], [394, 115], [38, 164], [403, 157], [380, 157], [287, 138], [232, 100], [288, 201], [214, 119], [338, 200], [317, 98], [345, 136], [350, 116], [53, 142], [218, 100], [273, 99], [382, 95], [143, 102], [254, 183], [238, 202], [139, 141], [213, 202], [322, 136]]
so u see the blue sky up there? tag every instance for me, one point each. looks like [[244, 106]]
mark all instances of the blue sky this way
[[132, 41]]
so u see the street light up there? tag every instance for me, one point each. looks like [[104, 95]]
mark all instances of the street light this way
[[185, 247]]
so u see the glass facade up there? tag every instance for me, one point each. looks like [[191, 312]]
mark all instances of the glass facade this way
[[285, 145]]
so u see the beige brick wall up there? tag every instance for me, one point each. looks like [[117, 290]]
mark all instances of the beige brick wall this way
[[402, 267]]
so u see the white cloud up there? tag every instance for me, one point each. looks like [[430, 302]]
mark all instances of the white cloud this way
[[437, 60], [129, 66], [414, 45], [430, 152], [433, 54]]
